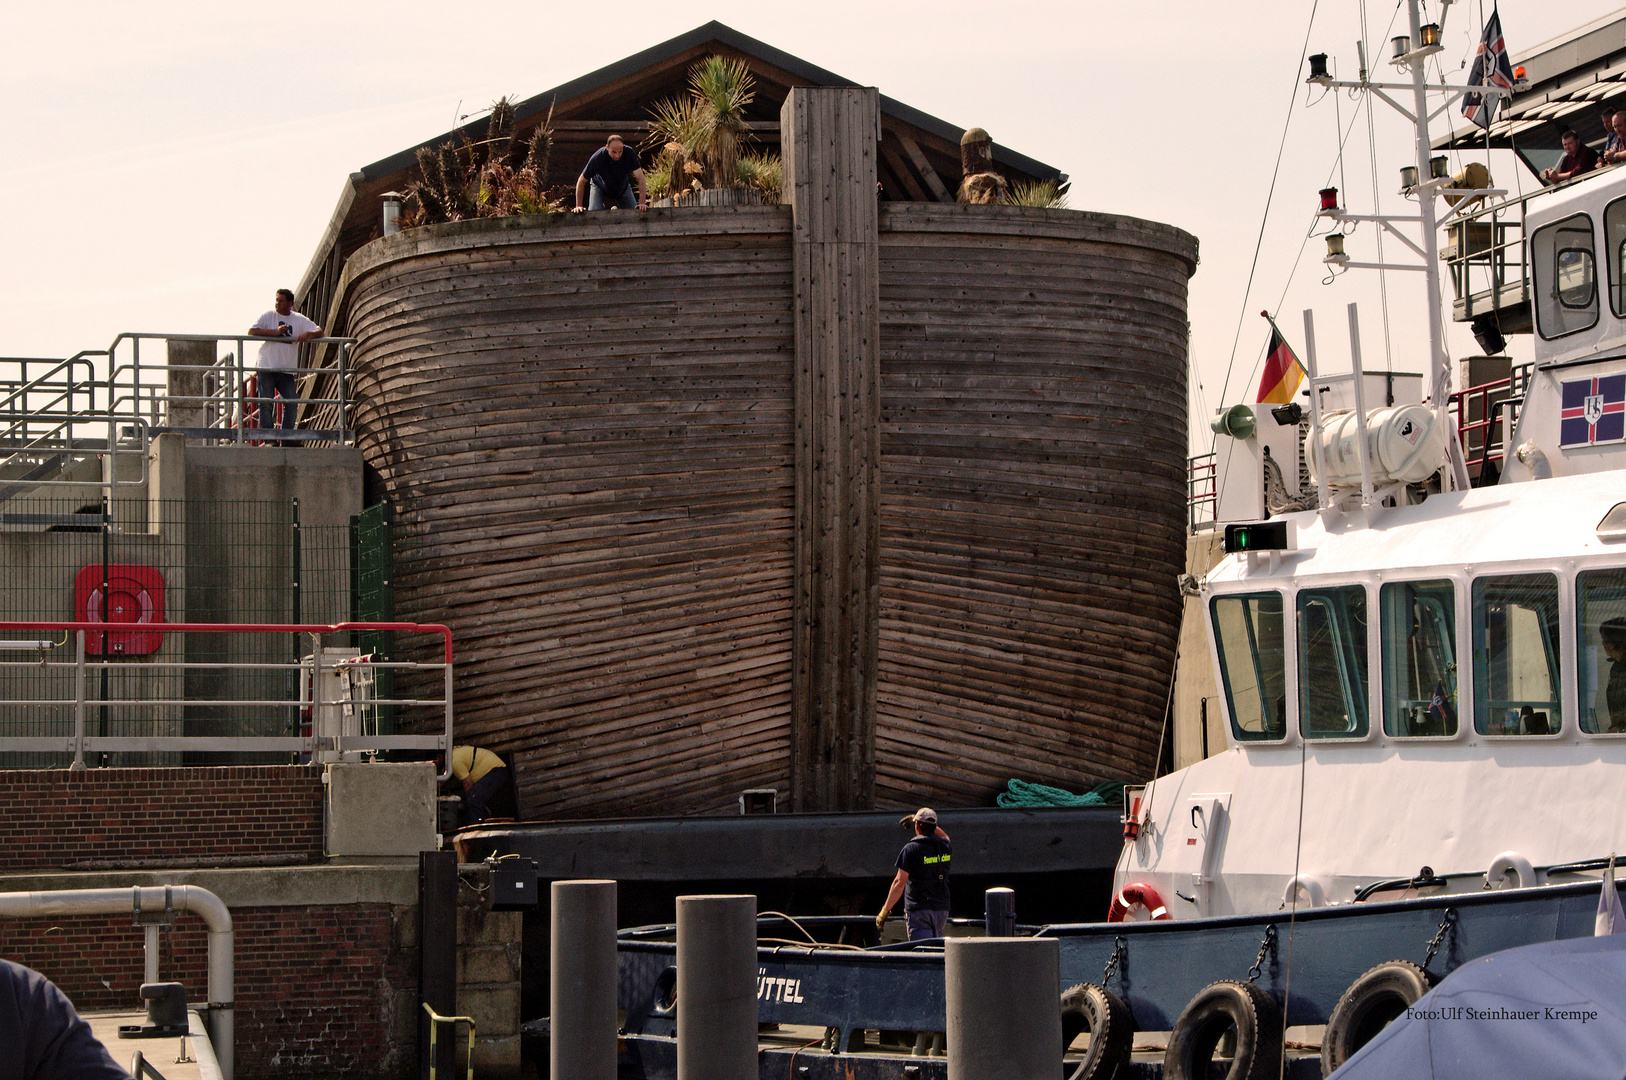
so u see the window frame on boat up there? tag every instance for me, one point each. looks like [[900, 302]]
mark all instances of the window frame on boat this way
[[1515, 590], [1547, 247], [1589, 688], [1254, 625], [1337, 647], [1408, 715], [1486, 622], [1614, 221]]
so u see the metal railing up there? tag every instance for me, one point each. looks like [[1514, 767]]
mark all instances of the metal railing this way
[[1484, 257], [220, 399], [329, 726], [57, 413], [1486, 415], [1202, 491]]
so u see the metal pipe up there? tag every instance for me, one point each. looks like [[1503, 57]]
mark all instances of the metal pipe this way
[[208, 1064], [78, 703], [201, 902], [150, 954], [1362, 450], [1322, 499]]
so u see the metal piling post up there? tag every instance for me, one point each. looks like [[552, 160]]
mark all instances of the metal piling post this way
[[716, 988], [582, 985], [1003, 1008]]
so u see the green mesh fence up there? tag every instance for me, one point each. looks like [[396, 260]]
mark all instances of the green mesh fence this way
[[170, 561]]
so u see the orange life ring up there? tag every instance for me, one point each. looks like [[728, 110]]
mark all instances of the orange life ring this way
[[1137, 892]]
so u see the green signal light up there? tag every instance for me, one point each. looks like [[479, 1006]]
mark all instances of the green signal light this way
[[1256, 536]]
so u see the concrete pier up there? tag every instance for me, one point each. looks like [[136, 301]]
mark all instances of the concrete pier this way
[[1004, 1012], [716, 988]]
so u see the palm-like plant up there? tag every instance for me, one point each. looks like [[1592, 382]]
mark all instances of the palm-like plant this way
[[1041, 193], [702, 131]]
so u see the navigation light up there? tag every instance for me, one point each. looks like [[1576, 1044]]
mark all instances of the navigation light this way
[[1258, 536]]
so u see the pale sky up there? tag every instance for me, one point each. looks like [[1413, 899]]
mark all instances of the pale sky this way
[[170, 165]]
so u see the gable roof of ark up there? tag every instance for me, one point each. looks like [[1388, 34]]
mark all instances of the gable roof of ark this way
[[919, 158]]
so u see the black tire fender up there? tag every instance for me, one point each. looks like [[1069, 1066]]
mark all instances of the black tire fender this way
[[1379, 996], [1216, 1009], [1097, 1010]]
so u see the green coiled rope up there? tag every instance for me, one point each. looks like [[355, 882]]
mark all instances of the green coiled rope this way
[[1022, 793]]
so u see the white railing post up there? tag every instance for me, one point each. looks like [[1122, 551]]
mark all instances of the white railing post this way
[[78, 702]]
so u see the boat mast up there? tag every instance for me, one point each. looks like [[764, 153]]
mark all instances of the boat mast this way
[[1441, 360], [1424, 41]]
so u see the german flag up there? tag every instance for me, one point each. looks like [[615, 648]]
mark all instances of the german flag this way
[[1283, 372]]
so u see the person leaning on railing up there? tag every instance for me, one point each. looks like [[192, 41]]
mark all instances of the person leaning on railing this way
[[280, 358], [1578, 158], [1614, 151]]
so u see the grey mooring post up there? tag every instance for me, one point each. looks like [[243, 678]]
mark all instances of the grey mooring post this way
[[582, 968], [1003, 1008], [999, 912], [717, 988]]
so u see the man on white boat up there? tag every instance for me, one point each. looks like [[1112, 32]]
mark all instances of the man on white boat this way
[[1613, 636], [1614, 151], [1578, 158]]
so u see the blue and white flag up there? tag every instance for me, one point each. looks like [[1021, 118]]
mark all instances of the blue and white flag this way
[[1491, 68], [1611, 920]]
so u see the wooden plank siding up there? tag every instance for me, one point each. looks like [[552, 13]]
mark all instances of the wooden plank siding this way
[[586, 426], [1032, 497], [589, 427]]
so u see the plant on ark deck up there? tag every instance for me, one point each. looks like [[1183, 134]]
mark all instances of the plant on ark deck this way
[[495, 177], [700, 134], [1041, 193]]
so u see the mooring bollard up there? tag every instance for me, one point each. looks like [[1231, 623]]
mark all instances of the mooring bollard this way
[[999, 912], [717, 988], [1003, 1008], [582, 1006]]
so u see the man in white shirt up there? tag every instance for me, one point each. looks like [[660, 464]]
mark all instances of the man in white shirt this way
[[279, 358]]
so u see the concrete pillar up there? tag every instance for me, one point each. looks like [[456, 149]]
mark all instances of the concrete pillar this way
[[1003, 1008], [999, 912], [717, 988], [189, 364], [582, 981]]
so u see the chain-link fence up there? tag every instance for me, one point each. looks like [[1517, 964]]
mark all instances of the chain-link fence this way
[[135, 563]]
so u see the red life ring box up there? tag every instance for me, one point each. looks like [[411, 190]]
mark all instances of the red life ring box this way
[[135, 596]]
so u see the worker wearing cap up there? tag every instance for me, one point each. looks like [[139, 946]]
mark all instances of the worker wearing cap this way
[[922, 879]]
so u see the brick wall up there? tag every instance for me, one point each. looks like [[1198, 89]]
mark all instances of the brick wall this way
[[322, 990], [120, 817]]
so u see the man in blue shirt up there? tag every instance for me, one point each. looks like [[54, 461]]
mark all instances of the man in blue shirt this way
[[607, 178], [41, 1037], [922, 879]]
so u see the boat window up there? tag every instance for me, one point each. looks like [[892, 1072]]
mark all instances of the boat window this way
[[1419, 657], [1248, 631], [1600, 615], [1515, 623], [1614, 245], [1561, 257], [1332, 662]]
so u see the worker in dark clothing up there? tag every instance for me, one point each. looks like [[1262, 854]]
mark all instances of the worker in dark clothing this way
[[41, 1037], [922, 879]]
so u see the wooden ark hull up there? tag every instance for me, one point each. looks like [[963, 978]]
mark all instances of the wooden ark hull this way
[[589, 428]]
